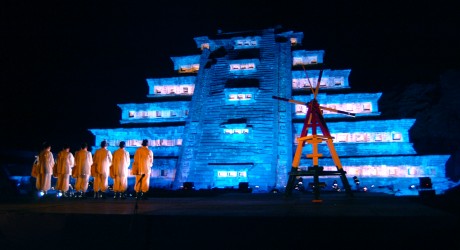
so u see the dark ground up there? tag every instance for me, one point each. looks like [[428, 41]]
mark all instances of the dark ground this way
[[233, 220]]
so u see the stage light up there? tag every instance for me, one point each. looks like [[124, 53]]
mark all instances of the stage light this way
[[425, 183], [413, 186], [41, 194], [335, 186], [365, 189], [244, 187], [58, 194], [356, 180], [188, 186]]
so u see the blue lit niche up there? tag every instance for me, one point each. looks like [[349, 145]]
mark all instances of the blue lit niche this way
[[331, 79], [303, 57], [397, 170], [154, 112], [165, 141], [383, 170], [362, 104], [368, 138], [186, 64], [241, 91], [294, 37], [231, 174], [172, 86], [246, 42], [410, 166], [236, 130], [244, 66], [366, 143], [203, 42]]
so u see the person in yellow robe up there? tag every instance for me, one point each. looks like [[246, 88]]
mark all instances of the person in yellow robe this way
[[65, 163], [102, 160], [143, 161], [119, 171], [83, 162], [45, 170]]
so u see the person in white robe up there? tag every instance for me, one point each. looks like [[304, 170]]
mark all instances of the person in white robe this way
[[102, 160], [82, 170], [143, 161], [45, 170], [65, 163], [119, 171]]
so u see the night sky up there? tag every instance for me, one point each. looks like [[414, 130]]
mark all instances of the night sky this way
[[67, 64]]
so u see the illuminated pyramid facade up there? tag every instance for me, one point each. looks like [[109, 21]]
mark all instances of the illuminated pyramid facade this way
[[216, 124]]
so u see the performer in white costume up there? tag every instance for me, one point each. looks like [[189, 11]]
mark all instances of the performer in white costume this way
[[119, 171], [65, 163], [143, 161], [45, 170], [83, 161], [102, 160]]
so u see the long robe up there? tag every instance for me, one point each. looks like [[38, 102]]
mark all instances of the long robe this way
[[45, 170], [102, 160], [143, 161], [119, 170], [65, 163], [83, 161]]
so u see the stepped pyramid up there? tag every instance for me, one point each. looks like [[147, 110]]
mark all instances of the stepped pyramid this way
[[214, 123]]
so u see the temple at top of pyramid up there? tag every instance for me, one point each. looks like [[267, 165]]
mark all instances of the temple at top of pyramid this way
[[215, 123]]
